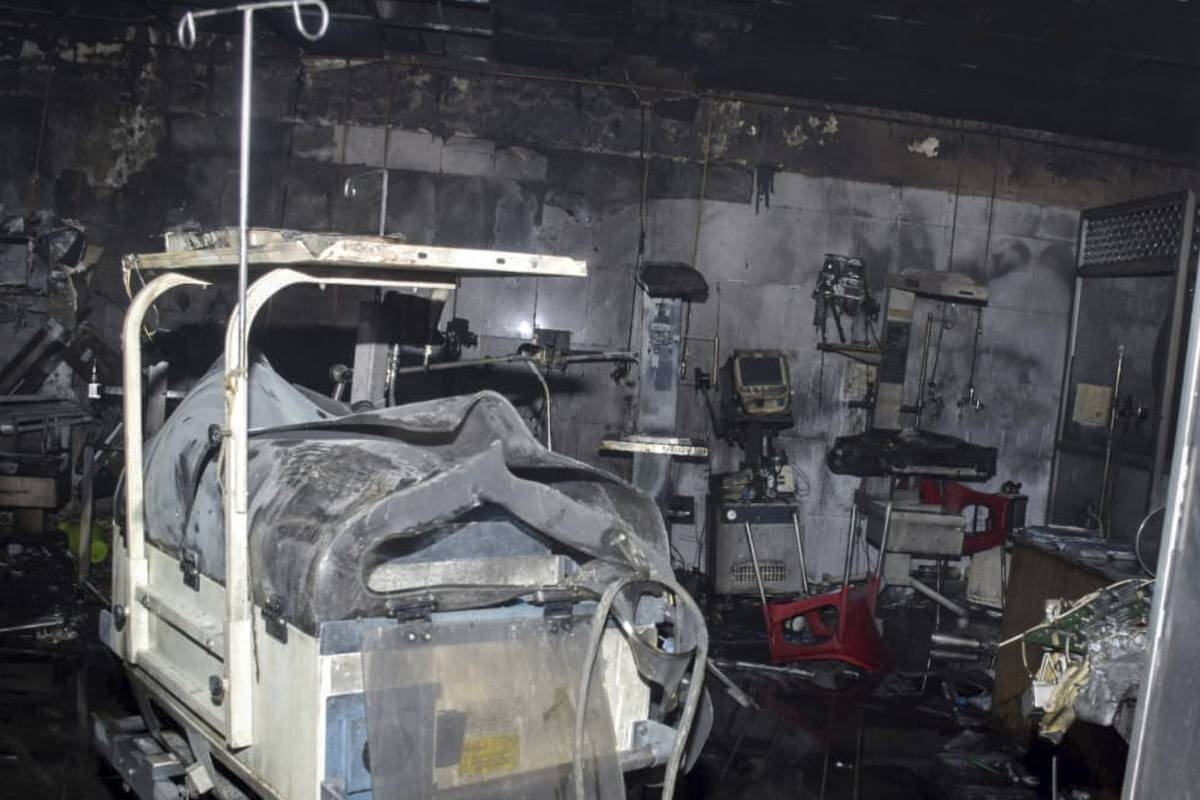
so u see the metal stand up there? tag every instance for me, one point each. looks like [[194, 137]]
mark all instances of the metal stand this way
[[239, 623], [187, 38]]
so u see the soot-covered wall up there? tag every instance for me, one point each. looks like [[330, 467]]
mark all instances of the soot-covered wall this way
[[131, 137]]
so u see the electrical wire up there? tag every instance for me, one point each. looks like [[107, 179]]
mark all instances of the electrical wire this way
[[695, 685], [546, 389]]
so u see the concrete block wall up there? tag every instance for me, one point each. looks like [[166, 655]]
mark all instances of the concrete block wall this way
[[498, 161], [763, 264]]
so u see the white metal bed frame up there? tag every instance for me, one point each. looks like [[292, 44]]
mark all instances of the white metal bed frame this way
[[232, 642]]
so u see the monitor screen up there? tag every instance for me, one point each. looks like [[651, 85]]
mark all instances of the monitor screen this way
[[761, 371]]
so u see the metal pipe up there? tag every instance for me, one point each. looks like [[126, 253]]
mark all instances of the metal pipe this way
[[755, 666], [383, 198], [970, 397], [951, 640], [850, 544], [735, 691], [1108, 446], [938, 597], [87, 506], [474, 362], [762, 592], [952, 655], [883, 541], [920, 408], [800, 551], [51, 621], [187, 38], [244, 182]]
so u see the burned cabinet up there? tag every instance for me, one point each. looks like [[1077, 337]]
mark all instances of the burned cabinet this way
[[1135, 269]]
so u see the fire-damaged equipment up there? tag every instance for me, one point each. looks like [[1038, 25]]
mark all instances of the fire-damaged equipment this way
[[759, 388], [757, 541], [842, 292], [400, 602], [756, 402], [666, 286], [910, 452], [299, 585], [1094, 658]]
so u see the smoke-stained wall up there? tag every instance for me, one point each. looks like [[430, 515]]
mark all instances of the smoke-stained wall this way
[[132, 137]]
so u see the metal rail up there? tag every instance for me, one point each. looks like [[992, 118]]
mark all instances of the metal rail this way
[[137, 632], [239, 619]]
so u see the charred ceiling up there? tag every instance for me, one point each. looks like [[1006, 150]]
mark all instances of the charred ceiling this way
[[1121, 70]]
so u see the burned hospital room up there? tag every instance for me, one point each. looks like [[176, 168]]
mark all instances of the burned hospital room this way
[[599, 399]]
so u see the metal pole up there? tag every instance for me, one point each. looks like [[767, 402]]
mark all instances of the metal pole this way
[[924, 369], [1108, 447], [800, 550], [383, 203], [244, 181], [850, 537], [938, 597], [762, 592], [187, 38], [883, 541], [950, 640], [87, 506]]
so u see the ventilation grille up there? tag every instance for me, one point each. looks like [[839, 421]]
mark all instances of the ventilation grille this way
[[772, 572], [1145, 234]]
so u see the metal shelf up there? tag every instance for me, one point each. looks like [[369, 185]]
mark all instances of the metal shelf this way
[[271, 247]]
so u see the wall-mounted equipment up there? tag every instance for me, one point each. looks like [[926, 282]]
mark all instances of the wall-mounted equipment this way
[[889, 447], [760, 385], [842, 293], [666, 286]]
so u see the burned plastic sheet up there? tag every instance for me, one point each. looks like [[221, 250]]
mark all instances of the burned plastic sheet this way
[[329, 492], [484, 709]]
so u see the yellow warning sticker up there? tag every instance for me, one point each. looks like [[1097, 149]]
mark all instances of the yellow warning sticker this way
[[490, 755]]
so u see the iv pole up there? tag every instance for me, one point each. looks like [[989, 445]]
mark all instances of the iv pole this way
[[187, 38], [237, 684]]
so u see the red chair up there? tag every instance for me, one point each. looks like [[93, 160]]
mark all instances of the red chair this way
[[1006, 510], [838, 626]]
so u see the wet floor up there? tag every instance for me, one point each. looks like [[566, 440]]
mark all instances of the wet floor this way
[[882, 741]]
